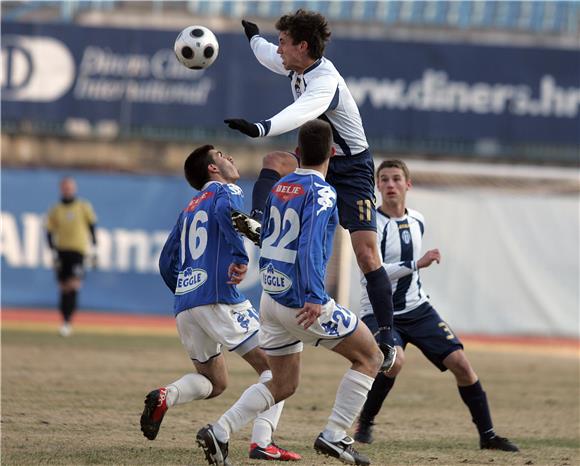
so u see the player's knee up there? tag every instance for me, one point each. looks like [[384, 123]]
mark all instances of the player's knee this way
[[458, 363], [378, 360], [370, 361], [282, 162], [367, 258], [218, 388], [282, 391], [399, 362]]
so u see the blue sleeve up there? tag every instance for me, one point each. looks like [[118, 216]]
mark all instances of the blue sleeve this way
[[230, 197], [312, 247], [169, 258]]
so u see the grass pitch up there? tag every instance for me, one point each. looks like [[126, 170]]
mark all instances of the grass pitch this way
[[77, 401]]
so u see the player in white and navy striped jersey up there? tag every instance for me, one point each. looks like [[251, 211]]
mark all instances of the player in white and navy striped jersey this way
[[320, 91], [399, 243], [400, 235]]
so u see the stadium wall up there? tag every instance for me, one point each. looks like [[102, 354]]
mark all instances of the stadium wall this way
[[509, 260], [135, 215]]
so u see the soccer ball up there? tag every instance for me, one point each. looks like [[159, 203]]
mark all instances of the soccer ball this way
[[196, 47]]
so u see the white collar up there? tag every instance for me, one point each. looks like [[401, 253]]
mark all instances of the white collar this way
[[205, 186], [308, 171]]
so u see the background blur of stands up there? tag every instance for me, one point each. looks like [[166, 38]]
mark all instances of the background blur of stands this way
[[482, 99], [514, 16]]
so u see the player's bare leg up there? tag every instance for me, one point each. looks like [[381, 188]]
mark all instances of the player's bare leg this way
[[255, 400], [379, 290], [210, 381], [384, 382], [275, 165], [262, 445], [361, 350]]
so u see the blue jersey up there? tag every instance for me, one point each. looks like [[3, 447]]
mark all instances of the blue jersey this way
[[195, 259], [300, 219]]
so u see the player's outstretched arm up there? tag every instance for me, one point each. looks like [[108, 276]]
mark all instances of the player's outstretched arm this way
[[251, 29], [243, 126]]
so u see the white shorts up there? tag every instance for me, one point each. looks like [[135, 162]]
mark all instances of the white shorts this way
[[280, 334], [204, 329]]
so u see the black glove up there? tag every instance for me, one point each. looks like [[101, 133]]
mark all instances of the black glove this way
[[251, 29], [243, 126]]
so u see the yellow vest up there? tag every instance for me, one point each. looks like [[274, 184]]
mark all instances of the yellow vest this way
[[69, 225]]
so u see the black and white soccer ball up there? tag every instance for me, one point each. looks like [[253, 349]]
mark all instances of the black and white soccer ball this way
[[196, 47]]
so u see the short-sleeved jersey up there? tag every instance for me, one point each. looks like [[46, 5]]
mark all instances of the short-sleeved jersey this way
[[300, 219], [195, 259], [69, 224], [399, 242], [320, 92]]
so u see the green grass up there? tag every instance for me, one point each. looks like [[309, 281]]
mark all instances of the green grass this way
[[78, 401]]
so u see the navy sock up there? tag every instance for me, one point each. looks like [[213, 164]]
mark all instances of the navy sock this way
[[68, 304], [63, 306], [262, 188], [381, 298], [381, 388], [474, 397]]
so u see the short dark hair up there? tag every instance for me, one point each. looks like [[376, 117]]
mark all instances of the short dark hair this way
[[394, 163], [314, 142], [306, 26], [195, 166]]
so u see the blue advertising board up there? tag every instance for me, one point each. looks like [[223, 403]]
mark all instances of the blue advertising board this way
[[405, 90], [135, 215]]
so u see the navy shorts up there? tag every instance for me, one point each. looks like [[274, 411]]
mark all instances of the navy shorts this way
[[424, 328], [353, 177]]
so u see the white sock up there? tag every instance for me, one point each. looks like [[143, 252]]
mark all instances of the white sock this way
[[266, 422], [190, 387], [253, 401], [350, 398]]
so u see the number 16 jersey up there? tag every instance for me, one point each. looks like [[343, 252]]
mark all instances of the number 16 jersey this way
[[199, 250]]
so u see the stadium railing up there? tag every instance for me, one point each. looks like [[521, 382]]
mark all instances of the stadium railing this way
[[557, 17]]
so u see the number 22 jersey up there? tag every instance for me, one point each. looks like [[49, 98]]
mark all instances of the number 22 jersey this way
[[300, 219], [195, 259]]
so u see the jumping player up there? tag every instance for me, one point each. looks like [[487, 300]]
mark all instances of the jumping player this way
[[320, 92]]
